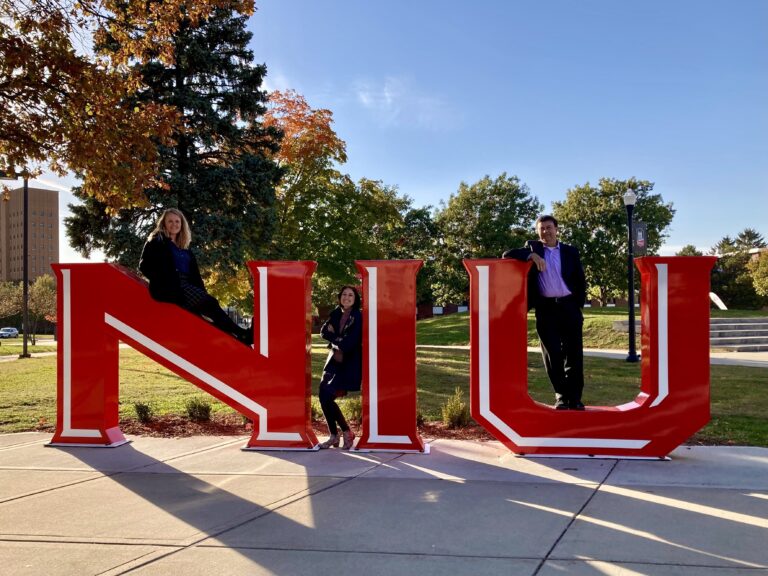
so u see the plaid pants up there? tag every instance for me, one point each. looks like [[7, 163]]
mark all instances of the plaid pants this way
[[194, 297]]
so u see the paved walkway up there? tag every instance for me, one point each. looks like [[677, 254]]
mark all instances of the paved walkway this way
[[753, 359], [201, 506]]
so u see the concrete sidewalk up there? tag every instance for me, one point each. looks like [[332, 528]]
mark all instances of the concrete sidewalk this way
[[752, 359], [200, 505]]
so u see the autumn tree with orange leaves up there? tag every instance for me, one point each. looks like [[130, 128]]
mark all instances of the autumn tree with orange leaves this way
[[310, 146], [310, 152], [218, 169], [66, 108], [318, 208], [323, 215]]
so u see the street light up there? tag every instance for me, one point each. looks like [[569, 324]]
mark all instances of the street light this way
[[629, 201], [13, 175]]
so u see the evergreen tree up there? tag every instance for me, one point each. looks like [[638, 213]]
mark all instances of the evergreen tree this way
[[219, 172], [750, 238], [689, 250], [726, 245]]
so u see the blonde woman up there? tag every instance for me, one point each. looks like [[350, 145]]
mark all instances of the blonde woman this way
[[171, 268]]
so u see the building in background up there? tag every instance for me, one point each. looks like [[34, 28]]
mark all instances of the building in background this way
[[43, 233]]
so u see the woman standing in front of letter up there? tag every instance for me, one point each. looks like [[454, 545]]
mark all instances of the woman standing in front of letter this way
[[343, 370]]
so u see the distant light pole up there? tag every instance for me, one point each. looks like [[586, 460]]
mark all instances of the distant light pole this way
[[629, 201], [13, 175]]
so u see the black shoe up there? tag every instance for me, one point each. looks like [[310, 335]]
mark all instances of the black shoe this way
[[560, 405], [577, 405]]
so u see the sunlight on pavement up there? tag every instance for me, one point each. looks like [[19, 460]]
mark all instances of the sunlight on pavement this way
[[435, 473], [752, 458], [610, 568], [357, 455], [633, 532], [718, 513]]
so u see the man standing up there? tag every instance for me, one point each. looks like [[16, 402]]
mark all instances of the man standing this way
[[556, 289]]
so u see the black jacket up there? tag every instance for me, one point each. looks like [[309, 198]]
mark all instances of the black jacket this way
[[348, 339], [158, 267], [570, 268]]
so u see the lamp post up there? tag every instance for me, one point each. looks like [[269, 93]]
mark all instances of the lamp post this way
[[629, 201], [13, 175]]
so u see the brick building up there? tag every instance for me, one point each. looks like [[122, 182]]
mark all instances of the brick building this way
[[43, 233]]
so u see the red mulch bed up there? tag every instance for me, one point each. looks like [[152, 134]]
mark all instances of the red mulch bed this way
[[233, 425], [173, 426], [229, 424]]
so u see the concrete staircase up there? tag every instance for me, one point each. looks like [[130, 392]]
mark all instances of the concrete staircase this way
[[734, 334], [739, 334]]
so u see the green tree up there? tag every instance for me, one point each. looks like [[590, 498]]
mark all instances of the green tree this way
[[689, 250], [415, 236], [310, 154], [323, 215], [218, 172], [733, 277], [355, 221], [758, 267], [594, 219], [42, 302], [733, 282], [481, 220]]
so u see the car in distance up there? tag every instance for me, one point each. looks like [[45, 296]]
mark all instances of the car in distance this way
[[9, 333]]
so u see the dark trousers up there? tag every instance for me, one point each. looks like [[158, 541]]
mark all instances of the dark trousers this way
[[331, 410], [200, 302], [559, 324]]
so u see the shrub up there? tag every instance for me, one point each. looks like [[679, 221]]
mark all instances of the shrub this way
[[352, 408], [455, 411], [198, 409], [143, 412], [316, 409]]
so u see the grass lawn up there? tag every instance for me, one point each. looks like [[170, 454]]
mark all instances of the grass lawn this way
[[454, 330], [14, 346], [739, 399]]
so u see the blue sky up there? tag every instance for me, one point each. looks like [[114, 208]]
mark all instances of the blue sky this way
[[430, 93]]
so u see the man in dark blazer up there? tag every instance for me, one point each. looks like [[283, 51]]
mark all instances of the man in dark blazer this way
[[557, 289]]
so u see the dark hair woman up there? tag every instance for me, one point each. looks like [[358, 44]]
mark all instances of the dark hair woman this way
[[171, 268], [343, 370]]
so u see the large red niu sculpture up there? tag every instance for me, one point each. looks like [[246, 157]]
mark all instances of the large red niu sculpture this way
[[101, 304]]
